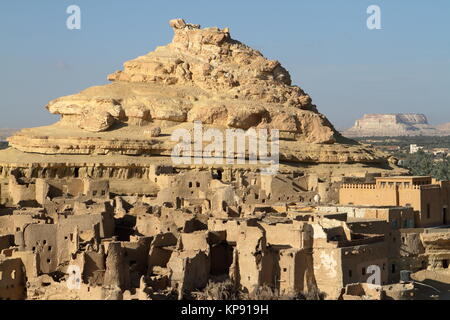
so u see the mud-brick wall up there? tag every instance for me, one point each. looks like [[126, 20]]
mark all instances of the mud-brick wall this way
[[12, 279], [59, 171]]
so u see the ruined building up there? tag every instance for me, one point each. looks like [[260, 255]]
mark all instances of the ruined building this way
[[94, 207]]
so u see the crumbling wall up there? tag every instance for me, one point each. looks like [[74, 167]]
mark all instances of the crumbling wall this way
[[22, 193], [296, 273], [12, 279], [117, 274], [254, 261]]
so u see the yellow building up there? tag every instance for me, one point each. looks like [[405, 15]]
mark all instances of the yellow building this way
[[428, 197]]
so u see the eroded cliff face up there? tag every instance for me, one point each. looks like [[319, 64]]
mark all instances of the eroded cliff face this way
[[403, 124], [202, 75]]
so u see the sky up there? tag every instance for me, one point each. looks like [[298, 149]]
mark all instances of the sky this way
[[347, 69]]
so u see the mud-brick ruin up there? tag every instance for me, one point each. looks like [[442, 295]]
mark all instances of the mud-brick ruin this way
[[93, 207]]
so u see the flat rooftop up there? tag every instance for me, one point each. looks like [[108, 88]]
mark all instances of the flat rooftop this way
[[403, 177], [359, 207]]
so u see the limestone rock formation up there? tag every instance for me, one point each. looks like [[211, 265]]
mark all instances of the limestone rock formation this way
[[202, 75], [403, 124], [153, 132], [96, 122]]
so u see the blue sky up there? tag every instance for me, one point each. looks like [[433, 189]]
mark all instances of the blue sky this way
[[348, 69]]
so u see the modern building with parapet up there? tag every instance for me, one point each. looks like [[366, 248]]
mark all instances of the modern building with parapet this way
[[428, 197]]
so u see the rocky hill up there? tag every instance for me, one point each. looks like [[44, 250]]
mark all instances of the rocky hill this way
[[402, 124], [202, 75]]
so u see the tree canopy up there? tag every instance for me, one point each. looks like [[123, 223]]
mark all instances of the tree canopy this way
[[424, 164]]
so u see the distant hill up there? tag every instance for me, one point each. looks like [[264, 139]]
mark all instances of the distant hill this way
[[395, 125], [5, 133]]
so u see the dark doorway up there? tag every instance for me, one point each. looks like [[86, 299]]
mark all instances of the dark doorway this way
[[217, 174], [444, 216], [445, 264], [221, 258]]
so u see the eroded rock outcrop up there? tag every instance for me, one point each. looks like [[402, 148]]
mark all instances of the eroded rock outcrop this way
[[202, 75]]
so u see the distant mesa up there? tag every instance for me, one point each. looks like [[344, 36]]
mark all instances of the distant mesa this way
[[398, 124]]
